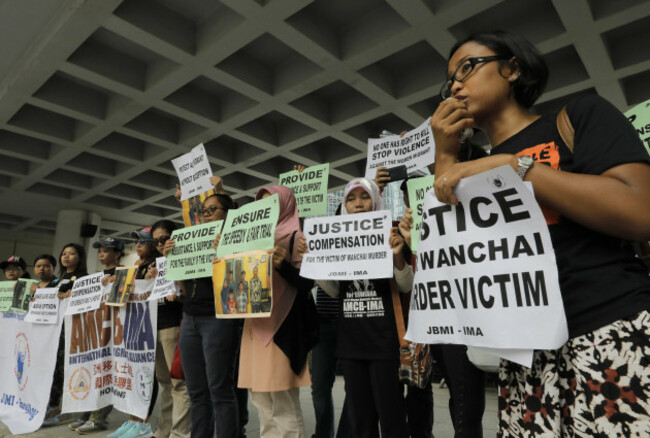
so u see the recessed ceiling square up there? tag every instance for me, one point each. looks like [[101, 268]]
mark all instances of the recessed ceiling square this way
[[275, 129], [636, 87], [628, 44], [565, 68], [372, 128], [326, 150], [232, 150]]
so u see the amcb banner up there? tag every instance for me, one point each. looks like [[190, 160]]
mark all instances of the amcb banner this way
[[27, 359], [109, 358]]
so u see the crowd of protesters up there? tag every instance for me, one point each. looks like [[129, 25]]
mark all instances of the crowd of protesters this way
[[596, 200]]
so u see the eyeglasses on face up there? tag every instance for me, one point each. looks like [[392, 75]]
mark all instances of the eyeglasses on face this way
[[210, 210], [463, 71], [161, 240]]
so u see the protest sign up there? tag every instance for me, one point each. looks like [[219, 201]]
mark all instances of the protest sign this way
[[45, 307], [415, 150], [486, 273], [86, 294], [193, 252], [193, 208], [193, 169], [6, 294], [162, 287], [22, 295], [250, 227], [242, 285], [122, 287], [639, 116], [27, 359], [349, 247], [417, 188], [310, 189], [110, 356]]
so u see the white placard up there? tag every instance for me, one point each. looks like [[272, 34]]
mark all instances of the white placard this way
[[27, 359], [486, 273], [194, 172], [110, 356], [415, 150], [348, 247], [45, 307], [86, 294], [162, 287]]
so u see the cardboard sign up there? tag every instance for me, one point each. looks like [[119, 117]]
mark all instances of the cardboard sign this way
[[486, 274], [162, 287], [86, 294], [310, 189], [639, 116], [110, 357], [27, 360], [415, 150], [250, 228], [193, 252], [417, 188], [243, 286], [6, 295], [22, 295], [348, 247], [194, 172], [45, 307]]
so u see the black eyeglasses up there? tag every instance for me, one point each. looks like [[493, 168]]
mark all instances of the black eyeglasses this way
[[161, 240], [463, 71], [210, 210]]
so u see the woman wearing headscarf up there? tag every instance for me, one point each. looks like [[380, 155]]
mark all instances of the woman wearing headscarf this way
[[274, 350], [368, 343]]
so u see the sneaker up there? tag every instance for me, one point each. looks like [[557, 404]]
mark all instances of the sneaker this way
[[75, 424], [138, 430], [57, 420], [90, 427], [122, 429]]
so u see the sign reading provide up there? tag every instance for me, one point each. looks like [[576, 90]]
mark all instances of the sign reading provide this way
[[348, 247], [193, 253], [415, 150], [486, 272], [310, 189]]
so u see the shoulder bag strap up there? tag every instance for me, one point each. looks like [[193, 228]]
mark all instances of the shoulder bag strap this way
[[566, 128], [399, 317]]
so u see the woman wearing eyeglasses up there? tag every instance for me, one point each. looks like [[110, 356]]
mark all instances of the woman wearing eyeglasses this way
[[596, 198]]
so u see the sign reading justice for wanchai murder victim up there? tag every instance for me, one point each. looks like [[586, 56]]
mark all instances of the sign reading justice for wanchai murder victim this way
[[486, 273], [348, 247]]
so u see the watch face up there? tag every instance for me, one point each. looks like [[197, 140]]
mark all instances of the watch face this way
[[526, 160]]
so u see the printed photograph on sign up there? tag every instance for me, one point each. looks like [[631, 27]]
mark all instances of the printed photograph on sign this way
[[242, 285], [193, 208], [123, 286], [22, 295]]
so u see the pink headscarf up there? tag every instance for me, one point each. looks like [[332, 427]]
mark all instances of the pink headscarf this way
[[283, 294]]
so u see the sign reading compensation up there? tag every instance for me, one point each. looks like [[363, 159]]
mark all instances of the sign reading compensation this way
[[86, 294], [348, 247], [6, 294], [193, 169], [45, 307], [486, 274], [639, 116], [417, 188], [310, 189], [193, 253], [415, 150], [250, 227]]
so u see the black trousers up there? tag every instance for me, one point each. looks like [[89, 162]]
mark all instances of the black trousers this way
[[374, 395], [466, 389]]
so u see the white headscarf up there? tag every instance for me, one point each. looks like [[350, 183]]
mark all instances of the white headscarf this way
[[367, 186]]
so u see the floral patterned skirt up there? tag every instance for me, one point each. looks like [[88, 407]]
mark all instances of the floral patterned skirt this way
[[596, 385]]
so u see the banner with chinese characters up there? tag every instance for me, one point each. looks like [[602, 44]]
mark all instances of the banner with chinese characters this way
[[110, 354]]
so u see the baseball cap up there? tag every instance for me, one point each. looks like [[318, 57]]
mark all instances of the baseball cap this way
[[144, 234], [110, 242], [13, 260]]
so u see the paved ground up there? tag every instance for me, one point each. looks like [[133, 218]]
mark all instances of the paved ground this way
[[442, 427]]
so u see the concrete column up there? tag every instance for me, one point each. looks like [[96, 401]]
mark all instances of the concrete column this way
[[68, 230]]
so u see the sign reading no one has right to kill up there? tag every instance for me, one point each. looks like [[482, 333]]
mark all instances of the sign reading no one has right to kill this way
[[348, 247], [486, 273]]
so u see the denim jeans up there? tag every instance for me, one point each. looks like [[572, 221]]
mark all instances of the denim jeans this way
[[208, 347], [323, 373]]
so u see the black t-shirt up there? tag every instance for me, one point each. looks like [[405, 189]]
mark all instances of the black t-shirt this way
[[600, 279], [366, 325], [67, 280], [200, 298]]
